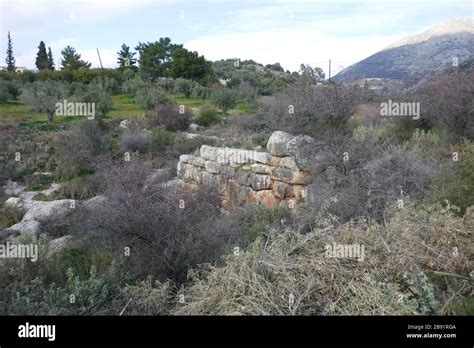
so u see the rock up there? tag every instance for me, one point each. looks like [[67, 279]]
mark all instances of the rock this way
[[291, 177], [13, 188], [13, 203], [124, 124], [261, 168], [261, 182], [44, 210], [158, 176], [288, 162], [311, 194], [187, 158], [96, 202], [298, 192], [198, 162], [277, 144], [281, 189], [282, 174], [24, 226], [304, 150], [212, 167], [243, 177], [193, 127], [53, 188], [267, 199], [58, 244]]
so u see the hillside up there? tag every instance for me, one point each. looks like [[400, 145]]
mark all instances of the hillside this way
[[416, 56]]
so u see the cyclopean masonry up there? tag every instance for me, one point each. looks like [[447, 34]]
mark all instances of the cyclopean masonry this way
[[277, 178]]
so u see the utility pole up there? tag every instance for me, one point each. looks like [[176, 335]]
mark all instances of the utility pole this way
[[329, 70], [100, 60]]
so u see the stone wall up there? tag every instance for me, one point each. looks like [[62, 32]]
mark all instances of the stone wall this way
[[276, 178]]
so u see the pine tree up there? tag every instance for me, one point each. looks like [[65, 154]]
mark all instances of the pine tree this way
[[126, 58], [50, 59], [42, 57], [10, 60], [72, 60]]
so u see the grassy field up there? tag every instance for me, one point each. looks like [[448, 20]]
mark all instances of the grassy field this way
[[16, 112]]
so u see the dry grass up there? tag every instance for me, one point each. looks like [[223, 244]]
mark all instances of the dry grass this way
[[396, 276]]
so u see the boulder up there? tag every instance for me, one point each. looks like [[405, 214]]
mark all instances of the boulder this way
[[260, 182], [277, 144], [304, 151]]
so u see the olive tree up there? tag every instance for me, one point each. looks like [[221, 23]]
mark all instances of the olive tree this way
[[43, 96]]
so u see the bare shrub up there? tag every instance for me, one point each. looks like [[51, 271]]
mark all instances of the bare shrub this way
[[76, 150], [313, 110], [134, 140], [361, 177], [447, 98], [166, 227], [172, 117]]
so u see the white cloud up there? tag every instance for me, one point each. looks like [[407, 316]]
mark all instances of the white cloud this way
[[290, 47]]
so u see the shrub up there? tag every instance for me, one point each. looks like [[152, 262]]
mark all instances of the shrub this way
[[160, 139], [183, 86], [319, 111], [96, 92], [165, 227], [375, 174], [76, 150], [224, 98], [149, 96], [456, 182], [207, 116], [43, 96], [134, 140], [447, 99], [172, 117]]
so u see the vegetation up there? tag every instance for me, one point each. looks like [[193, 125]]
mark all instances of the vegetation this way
[[140, 244]]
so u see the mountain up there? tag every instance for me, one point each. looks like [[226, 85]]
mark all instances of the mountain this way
[[416, 56]]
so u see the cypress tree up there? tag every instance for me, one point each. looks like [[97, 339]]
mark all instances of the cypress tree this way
[[10, 60], [50, 59], [42, 57]]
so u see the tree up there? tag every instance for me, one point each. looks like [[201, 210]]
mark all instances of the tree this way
[[126, 59], [71, 60], [189, 65], [41, 57], [224, 98], [312, 75], [10, 60], [50, 59], [43, 96], [155, 58]]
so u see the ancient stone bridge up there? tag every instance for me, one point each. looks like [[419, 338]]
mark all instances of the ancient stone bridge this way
[[278, 177]]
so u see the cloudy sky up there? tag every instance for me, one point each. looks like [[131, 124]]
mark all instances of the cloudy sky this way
[[287, 31]]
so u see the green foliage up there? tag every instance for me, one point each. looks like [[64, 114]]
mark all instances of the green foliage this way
[[456, 183], [10, 59], [189, 65], [43, 96], [208, 115], [126, 59], [160, 140], [224, 98], [71, 60], [155, 58], [42, 57], [77, 149], [148, 96]]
